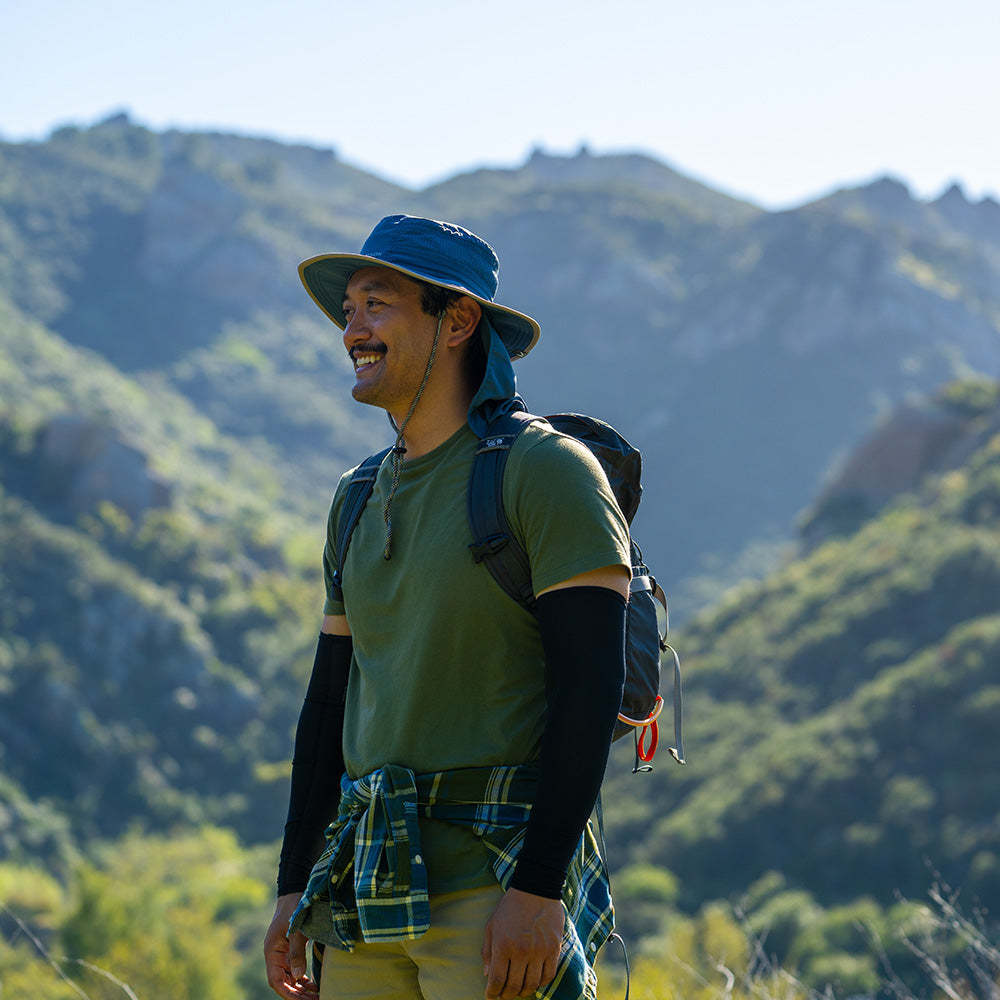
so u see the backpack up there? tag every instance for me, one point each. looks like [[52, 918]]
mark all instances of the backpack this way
[[495, 544]]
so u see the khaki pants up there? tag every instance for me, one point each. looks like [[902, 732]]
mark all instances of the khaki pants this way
[[444, 964]]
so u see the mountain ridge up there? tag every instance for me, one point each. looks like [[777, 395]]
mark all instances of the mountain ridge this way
[[174, 255], [788, 376]]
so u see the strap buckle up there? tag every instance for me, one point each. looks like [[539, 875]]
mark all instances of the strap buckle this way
[[489, 546]]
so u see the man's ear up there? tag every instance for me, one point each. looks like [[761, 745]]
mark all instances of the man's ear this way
[[462, 319]]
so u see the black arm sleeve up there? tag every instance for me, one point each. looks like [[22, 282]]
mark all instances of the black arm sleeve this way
[[583, 637], [317, 763]]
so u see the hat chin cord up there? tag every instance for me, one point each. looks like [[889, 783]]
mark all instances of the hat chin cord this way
[[399, 449]]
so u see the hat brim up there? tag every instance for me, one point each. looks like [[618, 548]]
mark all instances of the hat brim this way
[[326, 275]]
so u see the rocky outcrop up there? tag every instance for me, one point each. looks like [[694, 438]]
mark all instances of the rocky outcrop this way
[[897, 456], [918, 440], [83, 462]]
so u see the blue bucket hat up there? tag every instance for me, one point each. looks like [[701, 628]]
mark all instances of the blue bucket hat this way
[[439, 252]]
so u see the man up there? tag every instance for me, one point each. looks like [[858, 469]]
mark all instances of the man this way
[[474, 734]]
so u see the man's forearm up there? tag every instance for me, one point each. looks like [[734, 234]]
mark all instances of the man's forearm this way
[[317, 763], [583, 637]]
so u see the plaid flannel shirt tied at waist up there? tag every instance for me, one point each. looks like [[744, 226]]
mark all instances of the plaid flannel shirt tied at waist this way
[[370, 883]]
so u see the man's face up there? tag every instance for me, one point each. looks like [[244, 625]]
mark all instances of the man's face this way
[[388, 336]]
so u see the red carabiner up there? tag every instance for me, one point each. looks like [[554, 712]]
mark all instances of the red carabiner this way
[[646, 755]]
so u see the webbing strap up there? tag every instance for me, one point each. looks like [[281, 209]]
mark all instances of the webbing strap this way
[[615, 936], [677, 752], [359, 489], [493, 541]]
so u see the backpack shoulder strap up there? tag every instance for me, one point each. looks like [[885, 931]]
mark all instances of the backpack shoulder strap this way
[[493, 540], [359, 489]]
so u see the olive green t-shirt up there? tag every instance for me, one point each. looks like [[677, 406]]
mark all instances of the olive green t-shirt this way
[[448, 670]]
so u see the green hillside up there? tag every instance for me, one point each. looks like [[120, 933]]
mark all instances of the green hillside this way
[[151, 660], [842, 728], [174, 415], [840, 738], [743, 351]]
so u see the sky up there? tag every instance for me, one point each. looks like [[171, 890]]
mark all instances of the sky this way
[[777, 101]]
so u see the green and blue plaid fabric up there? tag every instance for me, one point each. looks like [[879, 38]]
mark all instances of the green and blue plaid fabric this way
[[370, 883]]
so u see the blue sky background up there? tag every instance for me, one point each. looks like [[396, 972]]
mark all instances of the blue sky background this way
[[778, 101]]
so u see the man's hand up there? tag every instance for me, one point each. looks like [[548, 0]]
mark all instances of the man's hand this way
[[521, 947], [285, 957]]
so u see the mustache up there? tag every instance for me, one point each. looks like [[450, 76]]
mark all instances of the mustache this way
[[366, 349]]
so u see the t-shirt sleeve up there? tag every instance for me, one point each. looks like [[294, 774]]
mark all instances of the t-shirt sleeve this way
[[560, 505], [333, 606]]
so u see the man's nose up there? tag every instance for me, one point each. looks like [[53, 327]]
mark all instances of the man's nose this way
[[355, 331]]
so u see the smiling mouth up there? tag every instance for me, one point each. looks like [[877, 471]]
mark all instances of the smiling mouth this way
[[366, 360]]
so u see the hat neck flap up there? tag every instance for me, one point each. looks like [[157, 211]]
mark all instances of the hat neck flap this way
[[497, 393]]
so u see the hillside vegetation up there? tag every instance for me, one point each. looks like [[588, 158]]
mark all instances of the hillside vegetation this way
[[174, 415], [153, 643], [743, 351], [843, 715]]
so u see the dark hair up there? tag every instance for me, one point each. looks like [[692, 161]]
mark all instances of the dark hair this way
[[434, 300]]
